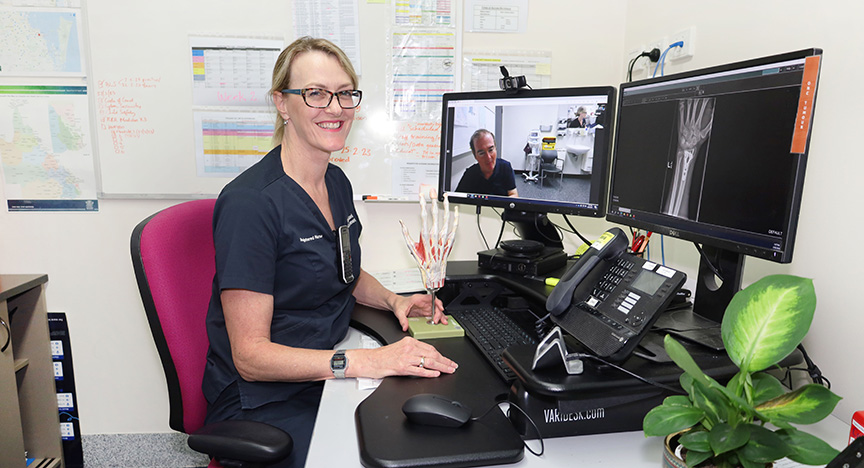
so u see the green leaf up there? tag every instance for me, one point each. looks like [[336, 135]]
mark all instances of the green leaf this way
[[695, 440], [677, 400], [692, 373], [736, 383], [764, 446], [806, 448], [724, 438], [766, 387], [711, 401], [694, 457], [806, 405], [664, 420], [767, 320], [682, 358], [745, 463]]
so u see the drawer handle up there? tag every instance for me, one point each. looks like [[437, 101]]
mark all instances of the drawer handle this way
[[8, 335]]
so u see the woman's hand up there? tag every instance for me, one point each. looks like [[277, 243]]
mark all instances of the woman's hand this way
[[417, 305], [407, 356]]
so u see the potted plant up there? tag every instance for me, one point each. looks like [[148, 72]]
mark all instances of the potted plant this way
[[748, 422]]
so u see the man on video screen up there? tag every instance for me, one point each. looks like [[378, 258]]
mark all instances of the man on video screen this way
[[490, 175]]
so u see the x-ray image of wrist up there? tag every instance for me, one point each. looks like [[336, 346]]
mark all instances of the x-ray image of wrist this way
[[695, 117], [434, 245]]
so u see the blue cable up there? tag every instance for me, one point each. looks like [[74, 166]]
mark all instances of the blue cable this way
[[661, 63], [662, 251]]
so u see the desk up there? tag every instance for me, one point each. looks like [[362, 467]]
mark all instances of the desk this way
[[28, 399], [336, 415], [340, 398]]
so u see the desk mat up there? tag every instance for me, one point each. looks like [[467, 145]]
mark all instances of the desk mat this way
[[387, 439]]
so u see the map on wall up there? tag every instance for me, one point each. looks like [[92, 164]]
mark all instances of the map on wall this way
[[47, 158], [40, 42]]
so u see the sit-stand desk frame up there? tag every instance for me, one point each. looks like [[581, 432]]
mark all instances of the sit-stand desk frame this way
[[335, 439]]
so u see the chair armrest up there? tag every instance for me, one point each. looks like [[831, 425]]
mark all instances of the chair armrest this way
[[245, 441]]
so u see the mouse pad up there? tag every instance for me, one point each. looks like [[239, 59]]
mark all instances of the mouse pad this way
[[387, 439]]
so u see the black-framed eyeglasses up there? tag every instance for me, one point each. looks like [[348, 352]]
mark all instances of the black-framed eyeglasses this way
[[321, 98]]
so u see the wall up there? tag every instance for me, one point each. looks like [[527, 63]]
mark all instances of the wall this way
[[740, 30], [121, 388]]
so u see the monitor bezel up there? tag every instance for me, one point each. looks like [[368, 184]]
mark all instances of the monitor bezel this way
[[522, 204], [718, 237]]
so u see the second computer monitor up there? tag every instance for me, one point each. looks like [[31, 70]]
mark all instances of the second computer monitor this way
[[717, 156]]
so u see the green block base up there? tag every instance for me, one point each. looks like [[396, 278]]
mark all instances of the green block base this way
[[422, 329]]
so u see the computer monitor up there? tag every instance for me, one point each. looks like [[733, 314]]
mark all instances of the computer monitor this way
[[717, 156], [551, 153]]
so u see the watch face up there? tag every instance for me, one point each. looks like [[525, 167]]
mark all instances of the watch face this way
[[338, 363]]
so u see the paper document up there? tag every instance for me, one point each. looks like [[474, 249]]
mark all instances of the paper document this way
[[401, 281]]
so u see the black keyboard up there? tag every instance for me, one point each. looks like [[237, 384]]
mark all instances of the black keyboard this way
[[493, 331]]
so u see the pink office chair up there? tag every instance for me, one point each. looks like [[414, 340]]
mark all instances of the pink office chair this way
[[174, 261]]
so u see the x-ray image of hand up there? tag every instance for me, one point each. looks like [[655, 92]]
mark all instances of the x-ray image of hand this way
[[695, 117]]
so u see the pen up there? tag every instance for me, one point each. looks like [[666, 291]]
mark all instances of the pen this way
[[550, 281]]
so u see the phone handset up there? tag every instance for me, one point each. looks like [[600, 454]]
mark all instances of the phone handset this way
[[610, 245]]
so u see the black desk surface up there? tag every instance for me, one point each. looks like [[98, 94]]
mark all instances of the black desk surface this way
[[387, 439], [385, 436]]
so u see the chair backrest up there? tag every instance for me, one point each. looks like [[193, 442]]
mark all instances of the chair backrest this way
[[174, 261], [548, 157]]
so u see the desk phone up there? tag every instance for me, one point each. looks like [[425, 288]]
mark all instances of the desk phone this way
[[609, 299]]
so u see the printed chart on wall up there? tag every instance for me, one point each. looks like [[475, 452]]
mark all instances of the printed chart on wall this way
[[227, 143], [45, 143], [482, 71], [45, 147], [230, 85], [40, 42], [232, 71], [423, 64]]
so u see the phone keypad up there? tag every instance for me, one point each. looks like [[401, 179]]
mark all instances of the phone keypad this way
[[612, 278]]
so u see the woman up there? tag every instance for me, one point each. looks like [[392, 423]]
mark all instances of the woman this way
[[278, 305], [581, 120]]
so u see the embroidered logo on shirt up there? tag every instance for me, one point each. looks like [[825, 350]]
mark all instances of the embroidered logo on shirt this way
[[311, 238], [351, 220]]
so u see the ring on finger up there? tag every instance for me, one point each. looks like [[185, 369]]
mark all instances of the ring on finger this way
[[422, 361]]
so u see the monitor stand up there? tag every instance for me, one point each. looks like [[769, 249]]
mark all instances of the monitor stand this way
[[538, 252], [711, 299], [534, 226]]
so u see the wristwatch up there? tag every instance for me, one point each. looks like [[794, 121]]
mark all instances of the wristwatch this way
[[338, 364]]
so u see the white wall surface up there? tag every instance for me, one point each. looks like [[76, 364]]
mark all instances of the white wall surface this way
[[120, 384]]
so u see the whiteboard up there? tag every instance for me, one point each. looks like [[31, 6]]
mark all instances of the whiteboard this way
[[140, 64]]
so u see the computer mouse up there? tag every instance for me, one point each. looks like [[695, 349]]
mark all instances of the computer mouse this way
[[435, 410]]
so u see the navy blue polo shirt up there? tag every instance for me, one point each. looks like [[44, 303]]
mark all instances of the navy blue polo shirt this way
[[271, 238], [501, 182]]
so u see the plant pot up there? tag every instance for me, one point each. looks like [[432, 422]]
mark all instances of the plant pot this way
[[673, 458], [670, 459]]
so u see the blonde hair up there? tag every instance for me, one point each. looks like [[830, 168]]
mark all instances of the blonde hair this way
[[282, 70]]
